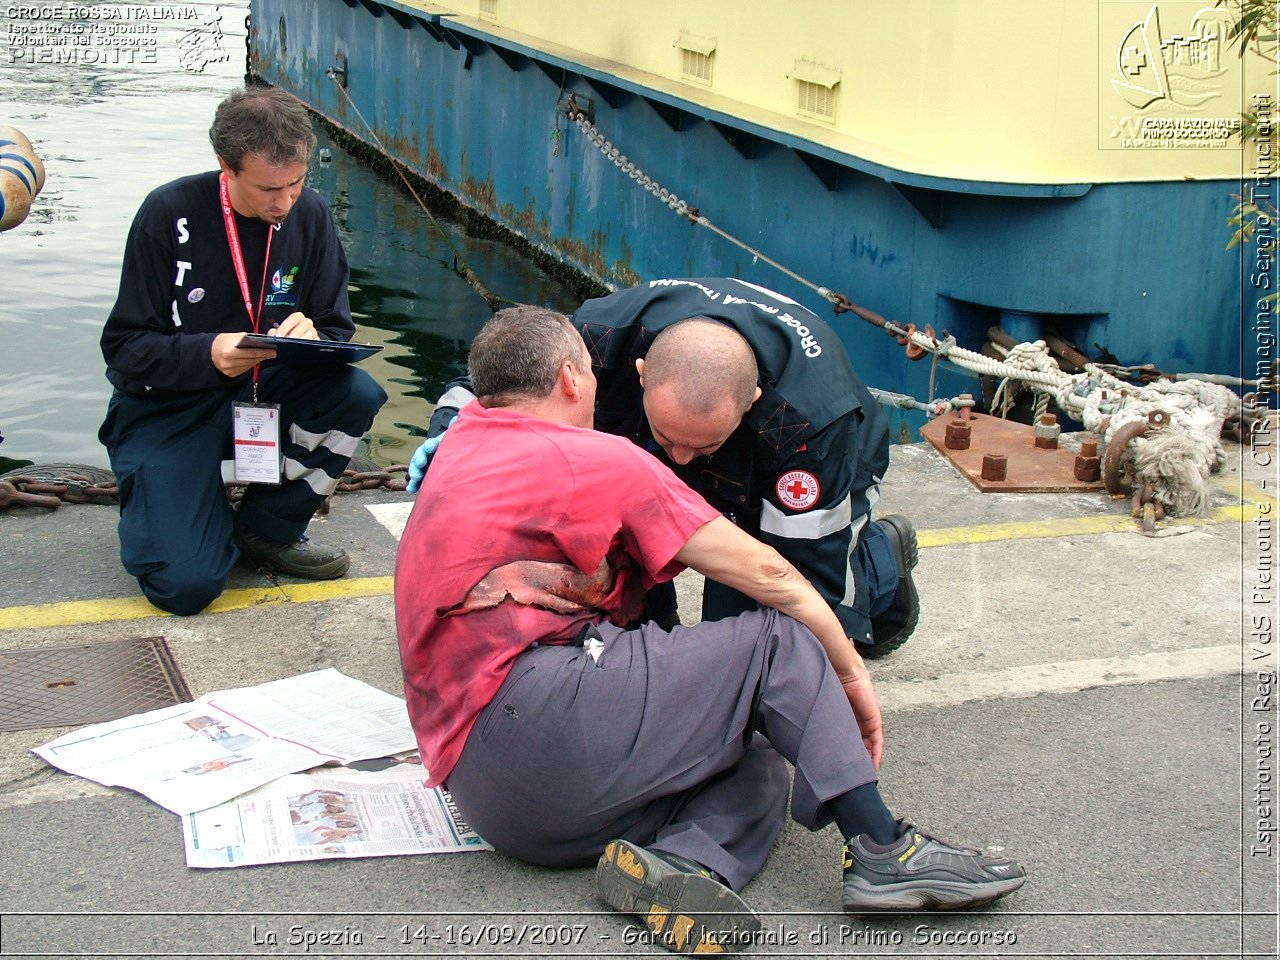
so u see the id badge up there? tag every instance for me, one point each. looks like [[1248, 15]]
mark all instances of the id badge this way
[[256, 435]]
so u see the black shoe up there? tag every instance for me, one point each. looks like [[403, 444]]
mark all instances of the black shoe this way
[[685, 908], [922, 872], [310, 561], [891, 629]]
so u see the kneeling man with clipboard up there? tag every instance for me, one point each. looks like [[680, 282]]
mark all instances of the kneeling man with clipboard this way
[[223, 271]]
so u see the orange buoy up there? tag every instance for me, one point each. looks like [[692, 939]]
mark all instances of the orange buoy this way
[[22, 176], [16, 154], [10, 134], [27, 169], [15, 200]]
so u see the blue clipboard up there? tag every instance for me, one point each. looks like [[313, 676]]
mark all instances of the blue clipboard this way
[[298, 351]]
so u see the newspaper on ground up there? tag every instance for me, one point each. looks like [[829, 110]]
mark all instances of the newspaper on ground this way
[[193, 756], [377, 808]]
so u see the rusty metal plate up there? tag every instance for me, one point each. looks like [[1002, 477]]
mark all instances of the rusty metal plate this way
[[87, 683], [1030, 469]]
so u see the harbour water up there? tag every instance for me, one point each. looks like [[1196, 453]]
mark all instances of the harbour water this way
[[117, 100]]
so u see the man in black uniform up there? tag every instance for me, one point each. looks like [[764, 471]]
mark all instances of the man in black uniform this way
[[797, 461], [209, 258]]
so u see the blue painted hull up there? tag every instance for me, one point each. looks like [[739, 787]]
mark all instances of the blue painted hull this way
[[1137, 269]]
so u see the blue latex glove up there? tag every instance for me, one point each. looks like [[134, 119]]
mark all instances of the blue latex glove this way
[[422, 459]]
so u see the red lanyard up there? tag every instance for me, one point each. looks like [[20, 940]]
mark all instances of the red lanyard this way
[[237, 260]]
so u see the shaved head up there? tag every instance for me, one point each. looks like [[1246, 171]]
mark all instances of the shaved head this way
[[704, 364], [699, 380]]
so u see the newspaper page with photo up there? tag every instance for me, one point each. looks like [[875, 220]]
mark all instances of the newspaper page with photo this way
[[193, 756], [378, 808]]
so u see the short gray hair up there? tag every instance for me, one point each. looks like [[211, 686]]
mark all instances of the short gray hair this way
[[264, 121], [518, 354]]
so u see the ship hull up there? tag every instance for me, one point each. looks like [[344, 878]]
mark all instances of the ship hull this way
[[1139, 270]]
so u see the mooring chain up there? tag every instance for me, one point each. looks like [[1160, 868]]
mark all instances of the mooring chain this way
[[35, 491], [619, 159], [10, 494], [839, 301], [917, 346], [375, 479]]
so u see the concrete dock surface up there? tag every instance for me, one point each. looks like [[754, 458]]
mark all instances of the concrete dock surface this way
[[1099, 704]]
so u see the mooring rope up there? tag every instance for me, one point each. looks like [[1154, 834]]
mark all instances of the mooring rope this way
[[460, 265]]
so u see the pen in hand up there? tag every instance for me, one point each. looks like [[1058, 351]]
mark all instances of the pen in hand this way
[[297, 325]]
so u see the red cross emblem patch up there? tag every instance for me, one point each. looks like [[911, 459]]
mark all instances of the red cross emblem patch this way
[[798, 489]]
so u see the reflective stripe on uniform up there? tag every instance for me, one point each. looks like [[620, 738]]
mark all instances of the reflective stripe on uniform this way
[[810, 525], [335, 441], [850, 586], [456, 397], [315, 478]]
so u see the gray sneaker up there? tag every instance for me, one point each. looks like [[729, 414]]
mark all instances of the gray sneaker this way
[[310, 561], [922, 872], [684, 907]]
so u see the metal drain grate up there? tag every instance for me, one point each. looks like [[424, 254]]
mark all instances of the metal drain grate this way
[[87, 683]]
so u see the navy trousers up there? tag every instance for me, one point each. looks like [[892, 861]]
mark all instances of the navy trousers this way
[[673, 740], [176, 526]]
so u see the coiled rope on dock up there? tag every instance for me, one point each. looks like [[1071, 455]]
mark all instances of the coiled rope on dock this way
[[1175, 461]]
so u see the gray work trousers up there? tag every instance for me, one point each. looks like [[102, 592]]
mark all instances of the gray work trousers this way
[[674, 741]]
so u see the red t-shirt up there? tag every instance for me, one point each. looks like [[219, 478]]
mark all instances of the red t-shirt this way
[[505, 487]]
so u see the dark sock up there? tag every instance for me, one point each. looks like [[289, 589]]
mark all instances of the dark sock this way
[[863, 811]]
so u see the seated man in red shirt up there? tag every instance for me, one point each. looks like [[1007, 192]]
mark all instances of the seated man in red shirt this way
[[570, 734]]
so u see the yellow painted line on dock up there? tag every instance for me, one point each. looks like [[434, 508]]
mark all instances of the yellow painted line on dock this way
[[1024, 530], [78, 612], [1244, 490], [337, 589], [1070, 527]]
